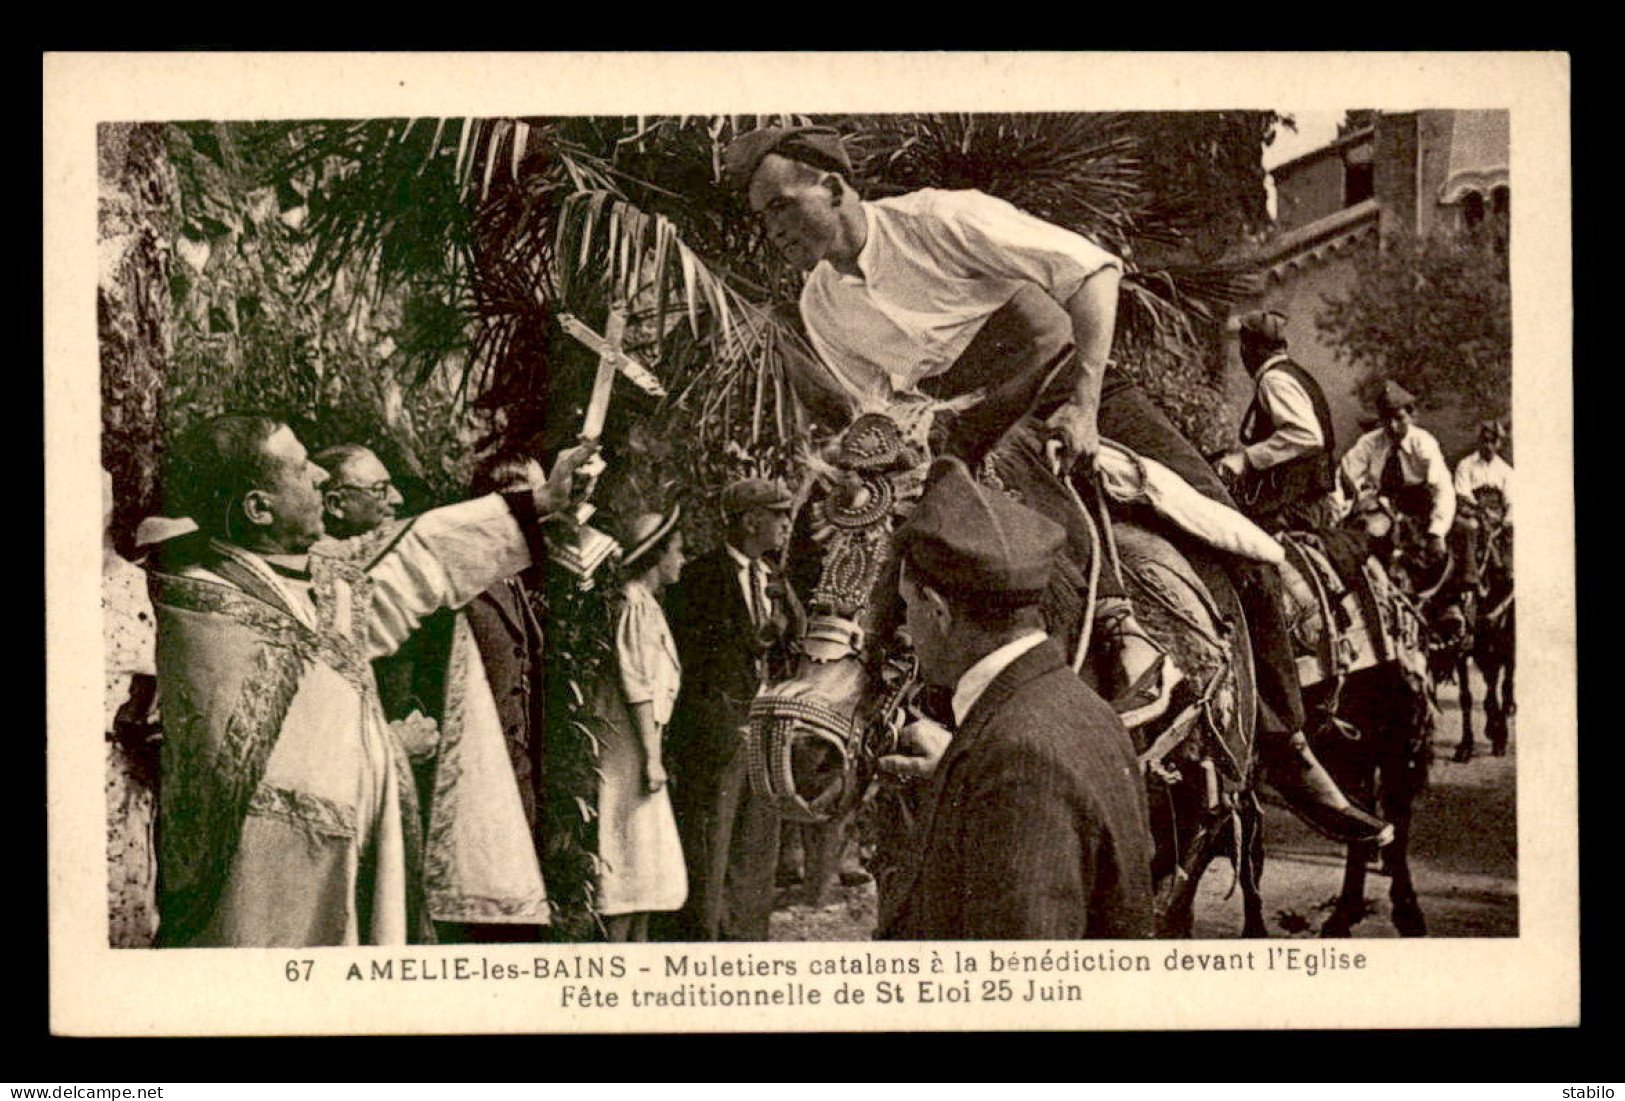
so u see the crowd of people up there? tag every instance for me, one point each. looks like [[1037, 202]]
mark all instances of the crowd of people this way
[[349, 702]]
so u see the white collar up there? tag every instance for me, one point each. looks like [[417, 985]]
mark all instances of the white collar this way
[[1278, 357], [865, 254], [741, 561], [975, 680]]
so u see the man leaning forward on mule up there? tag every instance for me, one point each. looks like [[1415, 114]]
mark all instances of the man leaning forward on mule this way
[[937, 294], [288, 814]]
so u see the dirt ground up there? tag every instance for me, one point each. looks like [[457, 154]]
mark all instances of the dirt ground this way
[[1463, 861]]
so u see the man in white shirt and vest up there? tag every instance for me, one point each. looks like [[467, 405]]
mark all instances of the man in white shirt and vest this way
[[939, 294], [1284, 471], [1403, 463]]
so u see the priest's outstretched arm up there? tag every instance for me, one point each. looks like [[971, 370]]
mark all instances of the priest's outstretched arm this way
[[448, 556]]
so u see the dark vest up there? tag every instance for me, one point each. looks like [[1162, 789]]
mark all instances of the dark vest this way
[[1263, 493]]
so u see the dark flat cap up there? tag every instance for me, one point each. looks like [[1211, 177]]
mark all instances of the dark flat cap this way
[[749, 493], [819, 146], [1394, 396], [1268, 325], [967, 539]]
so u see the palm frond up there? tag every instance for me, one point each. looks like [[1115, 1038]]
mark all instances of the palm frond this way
[[1079, 171]]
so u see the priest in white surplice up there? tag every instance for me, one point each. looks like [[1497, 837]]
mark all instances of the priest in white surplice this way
[[288, 815]]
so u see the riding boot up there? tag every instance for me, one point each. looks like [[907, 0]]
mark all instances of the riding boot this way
[[1311, 793], [1290, 765]]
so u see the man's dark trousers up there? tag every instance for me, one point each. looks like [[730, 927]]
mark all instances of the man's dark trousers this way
[[730, 834], [1024, 362]]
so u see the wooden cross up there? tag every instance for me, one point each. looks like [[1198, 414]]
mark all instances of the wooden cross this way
[[582, 549], [610, 359]]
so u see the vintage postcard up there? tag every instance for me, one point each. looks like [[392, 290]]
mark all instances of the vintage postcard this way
[[809, 542]]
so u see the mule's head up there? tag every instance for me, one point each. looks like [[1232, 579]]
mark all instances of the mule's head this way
[[812, 738]]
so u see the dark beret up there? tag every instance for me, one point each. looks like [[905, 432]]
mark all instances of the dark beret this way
[[1393, 396], [966, 539], [819, 146], [1268, 325]]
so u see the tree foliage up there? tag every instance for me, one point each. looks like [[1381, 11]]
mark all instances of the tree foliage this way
[[1434, 315], [253, 334], [1204, 174]]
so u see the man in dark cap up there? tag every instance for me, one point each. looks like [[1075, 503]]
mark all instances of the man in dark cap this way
[[728, 616], [1284, 470], [1035, 826], [938, 294], [1403, 463]]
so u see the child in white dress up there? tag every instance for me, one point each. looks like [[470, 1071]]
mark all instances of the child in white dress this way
[[638, 844]]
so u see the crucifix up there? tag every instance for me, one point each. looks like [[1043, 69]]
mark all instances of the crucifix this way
[[581, 549]]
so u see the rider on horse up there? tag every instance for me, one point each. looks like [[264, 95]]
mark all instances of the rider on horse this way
[[942, 294], [1483, 486], [1403, 465], [1484, 469], [1284, 471]]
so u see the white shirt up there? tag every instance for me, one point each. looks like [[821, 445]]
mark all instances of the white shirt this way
[[1297, 429], [1473, 473], [974, 681], [1420, 460], [754, 591], [935, 265]]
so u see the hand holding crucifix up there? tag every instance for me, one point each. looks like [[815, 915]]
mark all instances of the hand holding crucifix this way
[[575, 474]]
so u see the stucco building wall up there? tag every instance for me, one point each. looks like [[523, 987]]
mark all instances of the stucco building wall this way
[[1423, 166]]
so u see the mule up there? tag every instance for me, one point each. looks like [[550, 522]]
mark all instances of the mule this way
[[1368, 691], [814, 738], [1493, 631]]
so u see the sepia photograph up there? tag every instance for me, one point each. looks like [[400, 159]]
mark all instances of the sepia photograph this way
[[915, 560]]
